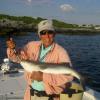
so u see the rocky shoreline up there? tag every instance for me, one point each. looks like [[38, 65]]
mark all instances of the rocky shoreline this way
[[78, 31], [29, 24], [65, 31]]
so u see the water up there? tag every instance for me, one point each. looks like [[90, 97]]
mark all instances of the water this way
[[84, 52]]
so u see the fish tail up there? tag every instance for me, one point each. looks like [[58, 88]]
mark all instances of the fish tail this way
[[82, 82]]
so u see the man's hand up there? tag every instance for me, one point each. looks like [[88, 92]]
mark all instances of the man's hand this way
[[36, 76], [10, 43]]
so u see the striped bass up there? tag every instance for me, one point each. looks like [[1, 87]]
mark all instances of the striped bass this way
[[31, 66]]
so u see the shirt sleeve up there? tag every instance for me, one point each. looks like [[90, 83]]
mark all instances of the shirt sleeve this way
[[11, 55], [21, 53], [64, 57]]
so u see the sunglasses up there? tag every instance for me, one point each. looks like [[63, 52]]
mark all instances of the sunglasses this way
[[44, 32]]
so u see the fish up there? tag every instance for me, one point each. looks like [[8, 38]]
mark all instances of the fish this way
[[51, 68]]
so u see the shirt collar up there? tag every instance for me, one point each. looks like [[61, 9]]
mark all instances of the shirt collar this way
[[52, 46]]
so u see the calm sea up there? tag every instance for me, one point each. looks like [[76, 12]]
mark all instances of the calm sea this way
[[84, 52]]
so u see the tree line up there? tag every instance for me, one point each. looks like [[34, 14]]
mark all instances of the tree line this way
[[35, 21]]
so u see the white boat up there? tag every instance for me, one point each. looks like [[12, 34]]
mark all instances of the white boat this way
[[12, 87]]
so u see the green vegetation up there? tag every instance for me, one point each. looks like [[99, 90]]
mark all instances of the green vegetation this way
[[35, 21], [24, 19], [60, 24]]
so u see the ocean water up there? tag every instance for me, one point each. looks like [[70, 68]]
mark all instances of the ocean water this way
[[84, 52]]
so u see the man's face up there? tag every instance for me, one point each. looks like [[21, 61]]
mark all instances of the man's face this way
[[47, 37]]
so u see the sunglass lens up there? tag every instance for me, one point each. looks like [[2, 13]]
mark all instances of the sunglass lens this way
[[50, 32], [42, 33], [46, 32]]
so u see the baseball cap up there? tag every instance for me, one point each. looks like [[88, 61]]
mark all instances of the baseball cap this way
[[45, 25]]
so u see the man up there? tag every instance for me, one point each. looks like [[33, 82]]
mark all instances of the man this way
[[43, 86]]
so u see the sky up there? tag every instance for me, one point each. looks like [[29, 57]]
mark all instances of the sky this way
[[69, 11]]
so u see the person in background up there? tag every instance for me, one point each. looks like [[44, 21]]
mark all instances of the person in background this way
[[43, 86]]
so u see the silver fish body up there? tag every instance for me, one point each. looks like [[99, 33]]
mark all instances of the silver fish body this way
[[30, 66]]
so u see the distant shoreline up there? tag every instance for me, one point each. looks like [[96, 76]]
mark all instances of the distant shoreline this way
[[64, 31], [21, 24], [78, 31]]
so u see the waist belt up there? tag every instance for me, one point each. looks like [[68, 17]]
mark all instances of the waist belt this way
[[41, 93]]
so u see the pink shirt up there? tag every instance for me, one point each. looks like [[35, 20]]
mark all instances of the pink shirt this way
[[54, 84]]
